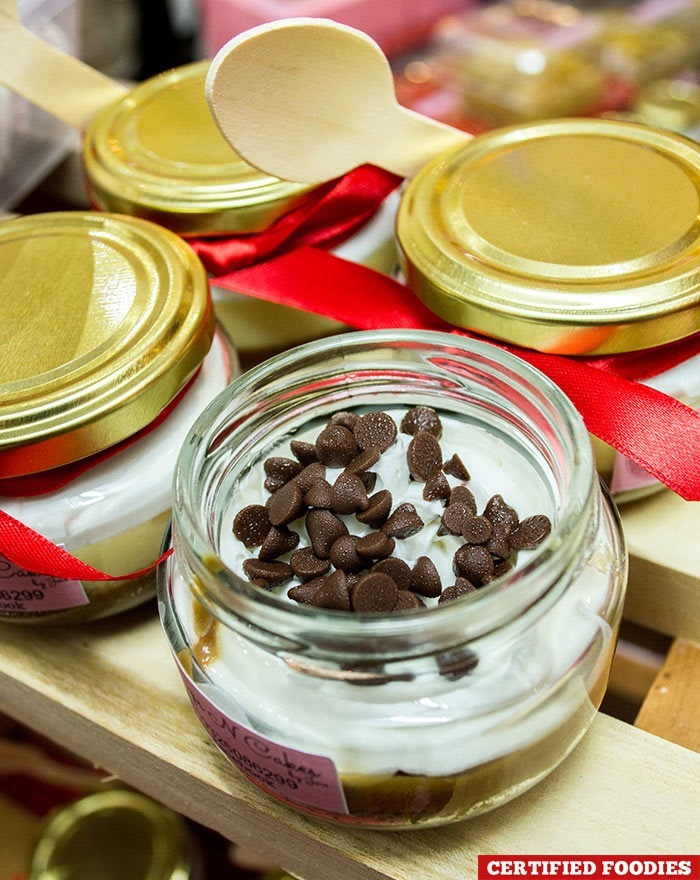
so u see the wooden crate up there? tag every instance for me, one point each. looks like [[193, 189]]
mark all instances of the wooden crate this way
[[110, 692]]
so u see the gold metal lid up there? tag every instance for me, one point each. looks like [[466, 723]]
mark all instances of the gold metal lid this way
[[158, 154], [576, 236], [103, 319], [114, 835]]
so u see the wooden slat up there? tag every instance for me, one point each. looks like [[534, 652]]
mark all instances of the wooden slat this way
[[111, 693], [664, 586], [672, 706], [633, 671]]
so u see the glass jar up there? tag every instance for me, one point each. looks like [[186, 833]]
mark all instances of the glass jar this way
[[597, 253], [158, 154], [110, 352], [407, 719], [78, 841]]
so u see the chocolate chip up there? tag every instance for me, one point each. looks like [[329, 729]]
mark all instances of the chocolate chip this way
[[306, 565], [501, 513], [453, 518], [424, 456], [375, 545], [319, 494], [364, 461], [324, 528], [456, 664], [530, 532], [403, 522], [335, 446], [304, 593], [281, 470], [464, 495], [277, 542], [422, 418], [345, 419], [349, 494], [501, 567], [473, 562], [374, 593], [303, 452], [271, 573], [378, 509], [375, 429], [499, 543], [425, 578], [343, 554], [455, 467], [461, 587], [251, 524], [286, 504], [333, 593], [477, 529], [369, 480], [272, 484], [311, 473], [406, 601], [396, 569], [437, 488]]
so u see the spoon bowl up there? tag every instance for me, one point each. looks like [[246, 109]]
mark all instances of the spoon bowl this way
[[310, 99]]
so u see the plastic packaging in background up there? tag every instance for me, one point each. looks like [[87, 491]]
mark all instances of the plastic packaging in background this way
[[32, 142], [521, 60], [651, 39], [394, 25]]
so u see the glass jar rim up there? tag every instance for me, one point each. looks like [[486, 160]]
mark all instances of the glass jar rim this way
[[232, 595]]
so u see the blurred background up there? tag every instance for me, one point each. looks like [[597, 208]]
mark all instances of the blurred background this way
[[471, 63]]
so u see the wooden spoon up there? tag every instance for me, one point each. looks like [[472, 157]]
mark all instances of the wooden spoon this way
[[307, 100], [51, 79]]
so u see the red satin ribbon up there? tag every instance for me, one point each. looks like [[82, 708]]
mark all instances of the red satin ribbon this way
[[33, 552], [327, 217], [652, 429]]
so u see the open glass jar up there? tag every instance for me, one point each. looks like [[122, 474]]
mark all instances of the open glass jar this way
[[394, 720], [110, 351]]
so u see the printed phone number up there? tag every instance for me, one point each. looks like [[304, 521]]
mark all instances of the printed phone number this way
[[20, 595]]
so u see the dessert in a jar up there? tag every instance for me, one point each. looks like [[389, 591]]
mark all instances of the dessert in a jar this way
[[158, 154], [576, 237], [396, 581], [109, 352]]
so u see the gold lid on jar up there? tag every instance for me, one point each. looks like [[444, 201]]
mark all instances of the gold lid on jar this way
[[103, 320], [114, 834], [576, 236], [158, 154]]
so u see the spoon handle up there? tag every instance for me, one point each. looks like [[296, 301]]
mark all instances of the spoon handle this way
[[410, 140], [65, 87]]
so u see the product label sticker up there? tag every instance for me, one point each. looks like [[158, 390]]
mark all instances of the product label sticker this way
[[25, 592], [291, 775], [627, 475]]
